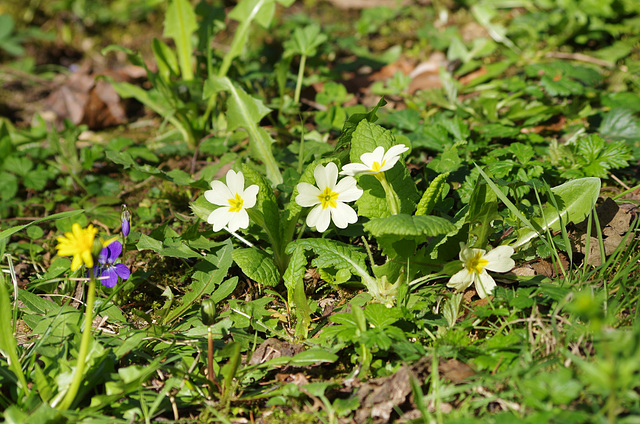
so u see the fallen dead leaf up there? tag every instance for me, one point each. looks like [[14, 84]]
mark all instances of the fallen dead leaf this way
[[274, 348], [83, 98], [380, 397]]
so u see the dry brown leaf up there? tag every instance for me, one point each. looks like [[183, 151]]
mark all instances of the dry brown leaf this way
[[274, 348]]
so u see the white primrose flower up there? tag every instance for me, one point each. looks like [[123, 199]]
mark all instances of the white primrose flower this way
[[234, 199], [476, 262], [328, 198], [375, 162]]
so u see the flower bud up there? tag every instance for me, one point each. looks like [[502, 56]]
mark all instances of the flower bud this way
[[125, 219], [208, 312]]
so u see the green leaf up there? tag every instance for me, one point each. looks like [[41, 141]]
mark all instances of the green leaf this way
[[305, 41], [354, 120], [294, 282], [574, 198], [335, 254], [265, 213], [176, 176], [620, 123], [244, 111], [8, 344], [145, 242], [483, 209], [208, 275], [180, 23], [246, 12], [11, 231], [257, 265], [165, 59], [8, 186], [409, 226], [432, 195]]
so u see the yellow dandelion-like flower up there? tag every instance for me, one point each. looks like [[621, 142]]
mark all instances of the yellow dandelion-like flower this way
[[79, 244]]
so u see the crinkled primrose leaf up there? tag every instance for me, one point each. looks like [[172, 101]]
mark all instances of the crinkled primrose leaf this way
[[257, 265]]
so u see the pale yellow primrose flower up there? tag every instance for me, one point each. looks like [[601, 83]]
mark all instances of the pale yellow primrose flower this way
[[375, 162], [476, 262], [328, 198], [234, 199]]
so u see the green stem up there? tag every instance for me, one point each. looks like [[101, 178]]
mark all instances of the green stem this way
[[296, 96], [392, 197], [84, 345]]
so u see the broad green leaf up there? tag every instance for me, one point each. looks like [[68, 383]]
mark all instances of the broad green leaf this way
[[244, 111], [432, 194], [400, 235], [180, 23], [8, 186], [620, 123], [145, 242], [408, 226], [257, 265], [208, 275], [10, 231], [354, 120], [335, 254], [574, 198], [294, 282], [8, 344], [224, 290]]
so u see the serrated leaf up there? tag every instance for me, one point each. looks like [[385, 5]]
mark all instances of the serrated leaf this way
[[257, 265], [409, 226], [575, 198], [208, 275], [432, 194]]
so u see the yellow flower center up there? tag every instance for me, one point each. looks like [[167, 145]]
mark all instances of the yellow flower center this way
[[476, 264], [376, 166], [236, 203], [328, 198]]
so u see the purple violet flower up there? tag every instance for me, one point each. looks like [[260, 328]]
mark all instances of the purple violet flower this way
[[107, 271]]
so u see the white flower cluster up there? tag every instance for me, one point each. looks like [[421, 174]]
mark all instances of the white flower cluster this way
[[327, 198]]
